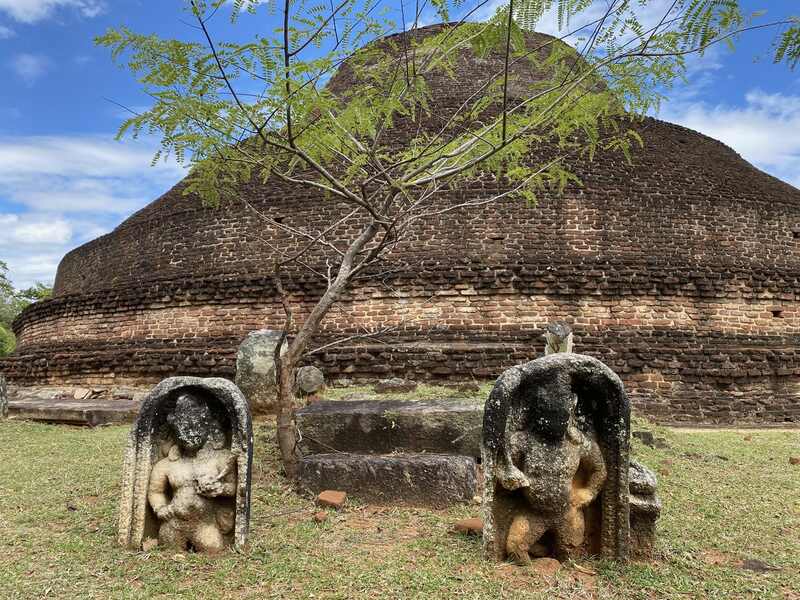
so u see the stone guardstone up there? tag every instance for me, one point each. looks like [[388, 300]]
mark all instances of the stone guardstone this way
[[309, 380], [3, 398], [255, 369], [555, 451], [186, 476]]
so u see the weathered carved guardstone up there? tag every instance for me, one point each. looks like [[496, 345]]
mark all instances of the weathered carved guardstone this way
[[255, 369], [186, 476], [555, 456]]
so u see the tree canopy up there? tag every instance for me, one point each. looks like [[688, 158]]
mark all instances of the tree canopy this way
[[268, 108], [13, 302]]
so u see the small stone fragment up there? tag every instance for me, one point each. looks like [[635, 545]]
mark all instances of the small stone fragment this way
[[794, 460], [320, 517], [149, 544], [395, 385], [759, 566], [546, 567], [332, 498], [309, 380], [646, 437], [81, 393], [472, 526]]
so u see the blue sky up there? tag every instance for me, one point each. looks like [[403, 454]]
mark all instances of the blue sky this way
[[64, 180]]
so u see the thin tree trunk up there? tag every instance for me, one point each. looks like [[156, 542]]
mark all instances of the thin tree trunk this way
[[286, 364], [287, 431]]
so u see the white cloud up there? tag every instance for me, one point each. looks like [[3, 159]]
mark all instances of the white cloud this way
[[57, 192], [30, 67], [6, 32], [33, 230], [765, 130], [31, 11]]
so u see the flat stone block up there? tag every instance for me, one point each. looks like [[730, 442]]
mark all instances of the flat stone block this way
[[430, 480], [74, 412], [386, 426]]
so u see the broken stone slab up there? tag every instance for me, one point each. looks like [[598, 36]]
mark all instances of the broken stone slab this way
[[73, 412], [426, 480], [385, 426], [3, 397], [255, 369]]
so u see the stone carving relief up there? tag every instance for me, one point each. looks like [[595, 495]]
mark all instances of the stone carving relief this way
[[186, 478], [555, 456]]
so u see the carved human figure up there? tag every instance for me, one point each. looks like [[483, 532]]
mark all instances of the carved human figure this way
[[191, 488], [559, 471]]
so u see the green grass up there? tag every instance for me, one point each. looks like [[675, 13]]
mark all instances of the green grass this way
[[59, 487]]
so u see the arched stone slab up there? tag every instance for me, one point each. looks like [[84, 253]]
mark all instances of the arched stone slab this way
[[550, 426], [152, 439]]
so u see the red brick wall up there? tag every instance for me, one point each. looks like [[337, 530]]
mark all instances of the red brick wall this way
[[681, 270]]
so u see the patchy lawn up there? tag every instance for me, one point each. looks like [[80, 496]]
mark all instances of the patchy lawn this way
[[726, 499]]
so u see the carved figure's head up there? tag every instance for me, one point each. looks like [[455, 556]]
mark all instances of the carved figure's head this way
[[192, 422], [549, 408]]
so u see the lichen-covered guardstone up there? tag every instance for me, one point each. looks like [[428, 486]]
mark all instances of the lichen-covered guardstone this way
[[186, 475], [555, 457]]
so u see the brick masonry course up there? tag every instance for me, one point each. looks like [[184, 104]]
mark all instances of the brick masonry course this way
[[680, 270]]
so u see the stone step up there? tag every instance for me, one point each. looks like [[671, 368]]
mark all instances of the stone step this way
[[386, 426], [73, 412], [426, 480]]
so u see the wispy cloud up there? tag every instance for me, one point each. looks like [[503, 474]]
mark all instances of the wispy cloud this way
[[30, 67], [31, 11], [6, 32], [57, 192], [765, 130]]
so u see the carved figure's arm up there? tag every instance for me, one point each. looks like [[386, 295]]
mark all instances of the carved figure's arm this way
[[222, 484], [156, 493], [595, 465]]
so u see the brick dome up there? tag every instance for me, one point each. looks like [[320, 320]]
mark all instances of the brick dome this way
[[681, 271]]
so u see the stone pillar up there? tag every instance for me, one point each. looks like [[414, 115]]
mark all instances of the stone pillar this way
[[255, 369], [558, 338]]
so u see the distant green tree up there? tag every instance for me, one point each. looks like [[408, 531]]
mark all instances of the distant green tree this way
[[262, 109], [13, 302]]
